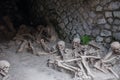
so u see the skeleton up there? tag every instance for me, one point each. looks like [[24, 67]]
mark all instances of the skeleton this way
[[26, 45], [85, 58], [64, 55], [4, 69], [62, 62], [77, 47], [24, 39], [105, 64], [45, 46]]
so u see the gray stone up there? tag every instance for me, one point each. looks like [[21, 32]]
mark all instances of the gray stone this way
[[74, 22], [73, 31], [115, 28], [118, 28], [70, 18], [61, 25], [105, 33], [108, 40], [116, 14], [90, 21], [95, 32], [99, 8], [104, 2], [116, 36], [114, 5], [59, 19], [99, 39], [107, 26], [110, 20], [92, 14], [67, 31], [63, 15], [80, 31], [66, 21], [69, 26], [85, 15], [108, 14], [101, 21], [76, 36], [116, 22]]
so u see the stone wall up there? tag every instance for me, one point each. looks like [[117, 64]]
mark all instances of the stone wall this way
[[98, 18]]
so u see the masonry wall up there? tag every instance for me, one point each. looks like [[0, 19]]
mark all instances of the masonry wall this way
[[98, 18]]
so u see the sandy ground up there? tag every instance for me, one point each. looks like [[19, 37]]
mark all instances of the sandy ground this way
[[26, 66]]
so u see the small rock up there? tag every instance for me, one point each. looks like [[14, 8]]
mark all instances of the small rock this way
[[108, 14], [105, 33], [115, 28], [110, 20], [69, 26], [107, 26], [116, 22], [114, 5], [70, 18], [101, 21], [95, 32], [99, 39], [108, 40], [104, 2], [61, 25], [116, 35], [92, 14], [99, 8], [116, 14], [66, 21]]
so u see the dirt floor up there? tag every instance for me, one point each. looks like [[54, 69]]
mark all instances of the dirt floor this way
[[26, 66]]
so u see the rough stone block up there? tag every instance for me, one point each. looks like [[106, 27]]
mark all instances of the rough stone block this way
[[110, 20], [99, 39], [108, 40], [108, 14], [114, 5], [116, 14], [105, 33], [107, 26], [116, 22], [61, 25], [92, 14], [95, 32], [101, 21], [99, 8], [116, 35]]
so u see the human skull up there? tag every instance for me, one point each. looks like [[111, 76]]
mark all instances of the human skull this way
[[115, 47], [61, 45], [4, 67], [76, 42]]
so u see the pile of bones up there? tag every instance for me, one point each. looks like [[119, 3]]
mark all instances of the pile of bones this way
[[81, 59]]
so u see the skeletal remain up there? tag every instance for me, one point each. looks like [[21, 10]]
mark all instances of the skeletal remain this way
[[83, 54], [30, 46], [77, 48], [45, 46], [22, 46], [61, 47], [4, 69], [105, 63], [26, 45]]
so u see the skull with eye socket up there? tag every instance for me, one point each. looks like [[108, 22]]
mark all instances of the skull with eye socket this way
[[76, 43], [4, 67], [115, 46], [61, 45]]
